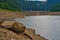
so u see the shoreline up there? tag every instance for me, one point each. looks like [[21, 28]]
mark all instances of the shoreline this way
[[19, 30]]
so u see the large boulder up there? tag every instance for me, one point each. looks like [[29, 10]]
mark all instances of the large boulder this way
[[14, 26]]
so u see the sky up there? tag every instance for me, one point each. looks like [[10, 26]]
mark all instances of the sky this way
[[36, 0], [42, 0]]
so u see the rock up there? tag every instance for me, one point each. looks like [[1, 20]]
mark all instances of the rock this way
[[8, 35], [10, 29], [32, 34], [14, 26], [25, 37]]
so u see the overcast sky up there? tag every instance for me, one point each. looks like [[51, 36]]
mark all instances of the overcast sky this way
[[36, 0], [42, 0]]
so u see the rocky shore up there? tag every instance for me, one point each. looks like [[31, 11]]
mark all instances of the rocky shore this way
[[11, 30]]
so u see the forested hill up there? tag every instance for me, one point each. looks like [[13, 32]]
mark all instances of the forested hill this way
[[10, 5], [18, 5], [49, 5], [39, 5], [22, 5], [54, 5], [32, 5]]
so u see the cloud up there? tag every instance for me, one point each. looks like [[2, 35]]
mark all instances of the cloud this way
[[42, 0], [35, 0]]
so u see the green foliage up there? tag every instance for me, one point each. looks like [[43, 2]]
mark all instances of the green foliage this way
[[55, 7], [9, 5]]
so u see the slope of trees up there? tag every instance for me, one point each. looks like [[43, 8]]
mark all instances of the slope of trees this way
[[9, 5], [55, 7]]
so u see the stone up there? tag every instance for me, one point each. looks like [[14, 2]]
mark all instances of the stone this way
[[14, 26], [8, 35], [32, 34], [11, 30]]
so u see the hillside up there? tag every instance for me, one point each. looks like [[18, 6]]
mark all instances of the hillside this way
[[22, 5], [9, 5], [32, 5]]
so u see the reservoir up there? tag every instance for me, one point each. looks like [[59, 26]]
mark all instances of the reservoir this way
[[46, 26]]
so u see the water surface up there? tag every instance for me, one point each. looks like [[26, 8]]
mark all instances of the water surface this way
[[47, 26]]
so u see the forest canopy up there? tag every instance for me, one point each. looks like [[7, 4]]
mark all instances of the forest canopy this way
[[55, 7], [10, 5]]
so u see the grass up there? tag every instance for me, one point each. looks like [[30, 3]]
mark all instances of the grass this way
[[5, 10]]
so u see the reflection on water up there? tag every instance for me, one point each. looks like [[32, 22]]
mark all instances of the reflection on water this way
[[47, 26]]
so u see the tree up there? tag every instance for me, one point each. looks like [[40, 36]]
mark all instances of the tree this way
[[55, 7], [9, 5]]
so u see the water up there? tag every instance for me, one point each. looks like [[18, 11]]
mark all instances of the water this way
[[47, 26]]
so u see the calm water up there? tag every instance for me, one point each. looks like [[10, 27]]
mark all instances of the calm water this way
[[47, 26]]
